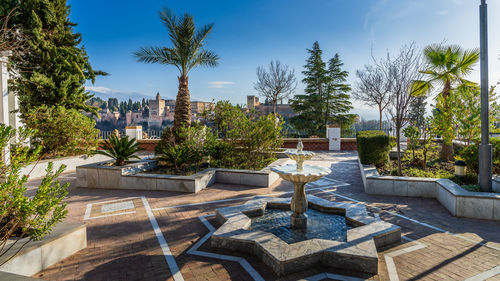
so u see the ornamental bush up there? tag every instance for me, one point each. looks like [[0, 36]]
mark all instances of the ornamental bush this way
[[185, 149], [373, 147], [23, 216], [61, 131], [470, 154]]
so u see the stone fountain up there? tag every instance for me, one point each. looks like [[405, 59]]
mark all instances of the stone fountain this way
[[278, 231], [300, 174]]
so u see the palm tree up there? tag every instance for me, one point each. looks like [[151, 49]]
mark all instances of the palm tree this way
[[447, 67], [187, 53]]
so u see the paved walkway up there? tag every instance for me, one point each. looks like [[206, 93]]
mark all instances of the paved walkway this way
[[148, 235]]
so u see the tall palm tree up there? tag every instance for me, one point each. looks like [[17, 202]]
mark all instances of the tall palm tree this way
[[447, 67], [186, 53]]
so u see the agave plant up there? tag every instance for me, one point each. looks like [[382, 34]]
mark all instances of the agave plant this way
[[120, 149]]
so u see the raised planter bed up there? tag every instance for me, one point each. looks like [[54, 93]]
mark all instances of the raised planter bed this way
[[135, 176], [66, 239], [37, 169], [458, 201]]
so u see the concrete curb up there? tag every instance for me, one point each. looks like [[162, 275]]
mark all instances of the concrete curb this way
[[458, 201]]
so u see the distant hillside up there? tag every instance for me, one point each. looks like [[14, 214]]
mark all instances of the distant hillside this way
[[106, 93]]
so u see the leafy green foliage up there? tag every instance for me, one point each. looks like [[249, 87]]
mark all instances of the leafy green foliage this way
[[245, 141], [22, 216], [188, 154], [447, 67], [120, 149], [419, 173], [467, 112], [373, 147], [471, 156], [248, 141], [55, 68], [326, 98], [61, 131], [413, 134]]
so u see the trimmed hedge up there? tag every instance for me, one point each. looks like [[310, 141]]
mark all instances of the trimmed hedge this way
[[373, 147]]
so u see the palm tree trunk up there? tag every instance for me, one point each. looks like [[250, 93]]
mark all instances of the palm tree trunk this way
[[182, 113]]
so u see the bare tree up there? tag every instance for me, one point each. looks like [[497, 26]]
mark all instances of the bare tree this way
[[276, 83], [373, 89], [401, 71], [12, 39]]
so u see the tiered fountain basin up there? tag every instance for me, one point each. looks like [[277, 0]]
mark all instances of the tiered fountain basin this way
[[356, 251]]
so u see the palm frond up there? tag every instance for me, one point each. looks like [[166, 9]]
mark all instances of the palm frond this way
[[469, 59], [187, 51], [205, 58]]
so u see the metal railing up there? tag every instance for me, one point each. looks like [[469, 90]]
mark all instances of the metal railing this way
[[151, 134]]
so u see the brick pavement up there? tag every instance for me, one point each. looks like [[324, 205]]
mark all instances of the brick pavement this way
[[124, 247]]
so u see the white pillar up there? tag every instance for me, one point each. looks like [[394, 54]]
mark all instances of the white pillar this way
[[333, 135], [5, 107], [134, 132]]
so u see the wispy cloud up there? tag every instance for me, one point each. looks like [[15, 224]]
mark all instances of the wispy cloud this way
[[100, 89], [443, 12], [219, 84]]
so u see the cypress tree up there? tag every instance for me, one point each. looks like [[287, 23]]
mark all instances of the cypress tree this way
[[326, 98], [55, 68], [309, 106], [337, 94]]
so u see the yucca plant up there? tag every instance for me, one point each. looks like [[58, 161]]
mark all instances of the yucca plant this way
[[120, 149]]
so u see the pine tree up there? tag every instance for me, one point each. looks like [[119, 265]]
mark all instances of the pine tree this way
[[56, 67], [417, 111], [326, 98], [310, 107], [336, 94]]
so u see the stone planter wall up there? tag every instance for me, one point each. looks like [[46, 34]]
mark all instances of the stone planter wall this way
[[458, 201], [37, 169], [135, 176], [66, 239]]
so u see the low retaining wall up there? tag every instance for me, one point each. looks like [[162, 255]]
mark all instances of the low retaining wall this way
[[66, 239], [37, 169], [458, 201], [135, 176]]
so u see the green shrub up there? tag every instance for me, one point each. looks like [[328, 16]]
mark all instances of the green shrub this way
[[120, 149], [61, 131], [188, 149], [470, 154], [419, 173], [250, 142], [373, 147], [245, 141], [23, 216], [472, 187]]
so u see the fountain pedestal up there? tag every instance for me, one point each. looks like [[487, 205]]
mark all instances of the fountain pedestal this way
[[300, 174], [299, 206]]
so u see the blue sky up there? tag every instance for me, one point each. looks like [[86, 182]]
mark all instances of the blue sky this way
[[252, 33]]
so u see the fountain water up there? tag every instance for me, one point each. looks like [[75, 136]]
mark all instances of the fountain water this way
[[300, 174]]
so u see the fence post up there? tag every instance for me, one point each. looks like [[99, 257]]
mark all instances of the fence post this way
[[333, 135], [134, 132]]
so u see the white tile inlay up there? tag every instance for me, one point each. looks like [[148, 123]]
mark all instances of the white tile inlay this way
[[119, 206]]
